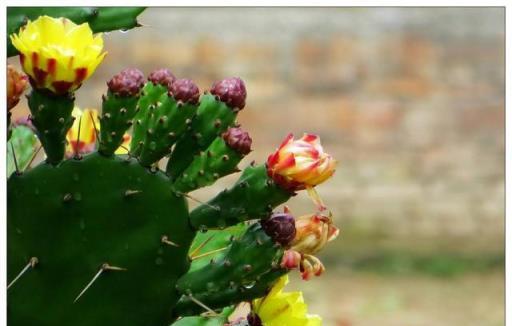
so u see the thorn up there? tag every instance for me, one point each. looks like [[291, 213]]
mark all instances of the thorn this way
[[217, 123], [197, 135], [31, 264], [188, 121], [150, 131], [216, 175], [77, 154], [67, 197], [201, 172], [15, 160], [123, 111], [139, 122], [106, 115], [131, 192], [253, 163], [198, 248], [247, 268], [162, 120], [113, 133], [244, 184], [94, 125], [61, 120], [202, 305], [166, 240], [208, 253], [225, 157], [129, 123], [171, 135], [33, 158], [197, 200], [40, 107], [179, 104], [104, 267]]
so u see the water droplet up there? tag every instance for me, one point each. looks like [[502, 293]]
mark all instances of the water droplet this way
[[248, 284], [77, 196], [82, 224], [159, 261]]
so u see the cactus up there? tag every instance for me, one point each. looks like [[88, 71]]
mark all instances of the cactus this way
[[102, 238]]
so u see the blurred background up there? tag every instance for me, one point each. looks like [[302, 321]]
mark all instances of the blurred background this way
[[411, 103]]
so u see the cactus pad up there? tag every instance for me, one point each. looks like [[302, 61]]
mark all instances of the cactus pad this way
[[81, 214]]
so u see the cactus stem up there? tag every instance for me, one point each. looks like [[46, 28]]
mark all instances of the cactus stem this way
[[207, 253], [104, 267], [131, 192], [33, 157], [31, 264], [204, 243], [165, 239], [202, 305], [15, 160]]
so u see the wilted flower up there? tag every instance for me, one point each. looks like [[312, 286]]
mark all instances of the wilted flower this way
[[16, 84], [299, 164], [280, 308], [313, 232], [57, 53]]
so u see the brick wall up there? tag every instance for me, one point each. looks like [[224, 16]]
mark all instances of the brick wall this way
[[410, 100]]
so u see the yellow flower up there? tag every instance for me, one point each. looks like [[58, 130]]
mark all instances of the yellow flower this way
[[301, 163], [86, 143], [84, 123], [280, 308], [58, 54]]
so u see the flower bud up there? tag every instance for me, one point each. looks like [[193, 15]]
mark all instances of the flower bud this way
[[230, 91], [184, 90], [128, 82], [16, 85], [238, 139], [299, 164], [313, 232], [291, 259], [311, 266], [162, 77], [280, 227]]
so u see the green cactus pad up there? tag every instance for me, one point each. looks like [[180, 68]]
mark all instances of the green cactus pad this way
[[51, 116], [213, 118], [117, 117], [217, 161], [253, 196], [247, 259], [151, 95], [75, 217], [166, 121]]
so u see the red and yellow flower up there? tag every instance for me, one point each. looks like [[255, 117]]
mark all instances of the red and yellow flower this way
[[300, 163], [58, 54], [82, 136]]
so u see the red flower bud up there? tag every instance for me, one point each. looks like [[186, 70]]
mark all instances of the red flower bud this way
[[162, 77], [128, 82], [16, 85], [184, 90], [238, 139], [230, 91]]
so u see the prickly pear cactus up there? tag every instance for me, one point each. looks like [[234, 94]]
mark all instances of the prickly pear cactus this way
[[98, 234]]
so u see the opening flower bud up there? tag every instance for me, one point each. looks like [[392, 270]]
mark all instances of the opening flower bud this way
[[230, 91], [280, 227], [58, 54], [184, 90], [238, 139], [299, 164], [16, 85], [162, 77], [128, 82]]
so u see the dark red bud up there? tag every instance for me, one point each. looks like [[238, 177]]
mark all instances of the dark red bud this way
[[162, 77], [280, 227], [238, 139], [230, 91], [128, 82], [184, 90]]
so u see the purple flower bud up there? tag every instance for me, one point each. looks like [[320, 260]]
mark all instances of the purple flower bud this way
[[128, 82], [230, 91], [280, 227], [162, 76], [184, 90], [238, 140]]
